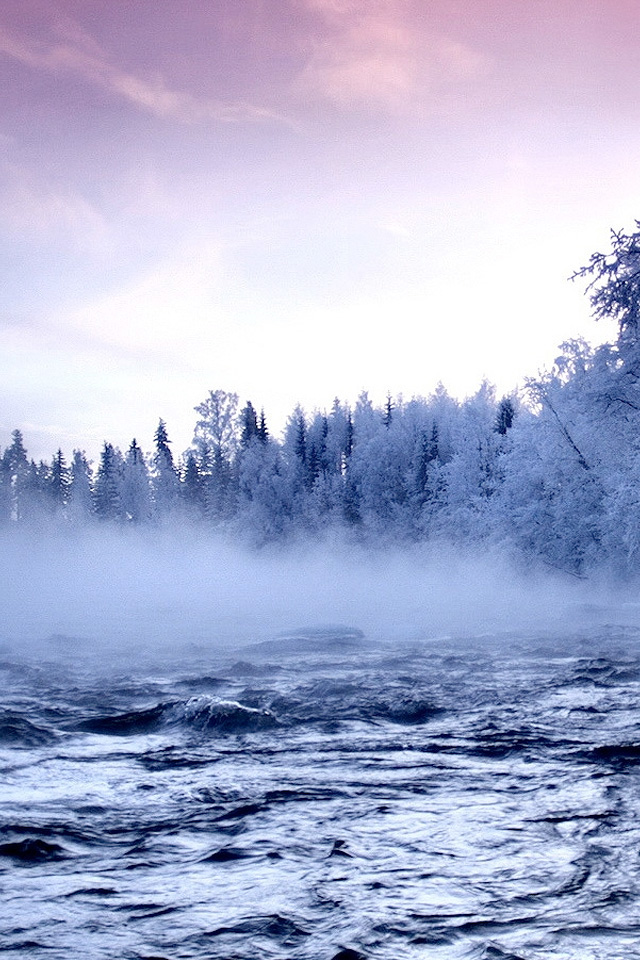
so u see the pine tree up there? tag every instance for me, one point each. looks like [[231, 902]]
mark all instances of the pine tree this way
[[165, 482], [300, 441], [388, 412], [161, 438], [263, 433], [5, 490], [80, 504], [17, 474], [37, 500], [136, 487], [348, 447], [248, 425], [505, 415], [108, 485], [192, 486], [59, 481], [421, 471]]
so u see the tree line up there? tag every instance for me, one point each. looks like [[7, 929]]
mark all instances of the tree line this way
[[551, 474]]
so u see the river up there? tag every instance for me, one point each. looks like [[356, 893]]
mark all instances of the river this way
[[324, 797]]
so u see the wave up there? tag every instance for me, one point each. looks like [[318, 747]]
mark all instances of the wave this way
[[327, 700], [17, 731], [32, 850], [601, 672], [320, 640], [126, 724], [272, 925], [402, 710], [202, 713], [224, 716]]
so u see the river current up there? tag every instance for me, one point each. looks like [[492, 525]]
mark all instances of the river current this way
[[322, 797]]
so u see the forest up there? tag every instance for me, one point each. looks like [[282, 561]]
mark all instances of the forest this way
[[551, 475]]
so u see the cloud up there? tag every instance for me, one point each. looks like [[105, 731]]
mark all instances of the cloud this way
[[365, 58], [78, 54], [39, 211], [382, 54]]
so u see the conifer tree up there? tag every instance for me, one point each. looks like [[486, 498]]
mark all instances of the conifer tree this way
[[388, 412], [263, 432], [136, 487], [248, 425], [505, 415], [192, 485], [164, 476], [59, 481], [80, 503], [5, 490], [108, 485], [17, 474]]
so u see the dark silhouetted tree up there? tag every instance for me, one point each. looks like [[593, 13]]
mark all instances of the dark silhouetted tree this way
[[263, 432], [505, 415]]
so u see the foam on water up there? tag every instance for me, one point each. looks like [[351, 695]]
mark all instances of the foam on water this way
[[376, 801]]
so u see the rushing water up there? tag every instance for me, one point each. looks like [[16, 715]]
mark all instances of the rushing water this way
[[323, 798]]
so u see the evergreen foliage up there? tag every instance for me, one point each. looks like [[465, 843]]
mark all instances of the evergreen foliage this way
[[59, 481], [107, 491], [80, 502], [553, 474], [164, 475], [136, 487]]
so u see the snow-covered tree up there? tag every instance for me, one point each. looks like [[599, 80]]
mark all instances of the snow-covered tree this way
[[469, 476], [107, 491], [551, 494], [216, 440], [614, 284], [249, 429], [217, 428], [265, 494], [80, 503], [164, 475], [192, 485], [6, 494], [59, 482], [135, 489], [17, 476]]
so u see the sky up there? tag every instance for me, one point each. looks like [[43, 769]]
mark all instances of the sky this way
[[295, 200]]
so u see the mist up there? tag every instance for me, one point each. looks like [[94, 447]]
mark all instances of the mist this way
[[166, 589], [190, 768]]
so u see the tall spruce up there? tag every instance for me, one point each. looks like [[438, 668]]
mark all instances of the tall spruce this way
[[164, 477], [107, 491]]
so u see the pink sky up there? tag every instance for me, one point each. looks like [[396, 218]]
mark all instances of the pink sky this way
[[298, 200]]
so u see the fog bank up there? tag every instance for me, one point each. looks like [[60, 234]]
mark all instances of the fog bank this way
[[145, 588]]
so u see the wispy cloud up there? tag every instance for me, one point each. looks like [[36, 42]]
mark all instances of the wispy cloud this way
[[363, 55], [78, 54], [379, 52], [38, 211]]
